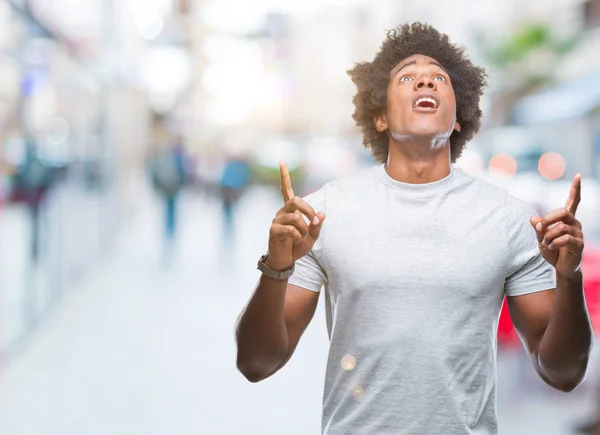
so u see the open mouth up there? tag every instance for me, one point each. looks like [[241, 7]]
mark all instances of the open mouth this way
[[426, 102]]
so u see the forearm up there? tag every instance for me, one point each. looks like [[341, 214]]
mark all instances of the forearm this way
[[261, 333], [565, 347]]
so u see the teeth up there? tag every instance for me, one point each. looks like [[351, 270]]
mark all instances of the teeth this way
[[422, 99]]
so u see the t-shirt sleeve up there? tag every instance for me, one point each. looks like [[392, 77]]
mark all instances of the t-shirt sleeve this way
[[309, 272], [527, 271]]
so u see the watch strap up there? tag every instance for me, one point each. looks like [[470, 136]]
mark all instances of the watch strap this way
[[272, 273]]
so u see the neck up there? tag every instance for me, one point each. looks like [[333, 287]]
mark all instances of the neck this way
[[418, 161]]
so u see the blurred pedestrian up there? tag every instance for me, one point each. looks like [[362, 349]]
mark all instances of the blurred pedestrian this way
[[168, 177], [234, 180], [32, 181], [416, 256]]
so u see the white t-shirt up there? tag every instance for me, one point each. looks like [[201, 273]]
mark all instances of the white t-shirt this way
[[414, 278]]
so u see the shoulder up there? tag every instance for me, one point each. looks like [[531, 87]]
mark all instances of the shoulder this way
[[480, 187], [485, 189], [343, 187], [517, 206], [354, 182]]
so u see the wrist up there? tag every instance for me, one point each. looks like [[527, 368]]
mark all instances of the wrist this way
[[276, 269], [277, 265], [576, 276]]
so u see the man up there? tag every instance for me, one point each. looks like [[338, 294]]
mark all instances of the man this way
[[416, 257], [234, 180], [33, 181], [168, 173]]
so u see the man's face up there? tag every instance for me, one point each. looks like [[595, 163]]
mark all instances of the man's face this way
[[420, 102]]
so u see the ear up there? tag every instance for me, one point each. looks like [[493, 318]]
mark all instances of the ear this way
[[456, 126], [380, 122]]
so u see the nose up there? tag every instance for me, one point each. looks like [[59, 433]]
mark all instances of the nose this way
[[424, 82]]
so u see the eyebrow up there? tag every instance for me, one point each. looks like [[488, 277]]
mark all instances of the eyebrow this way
[[412, 62]]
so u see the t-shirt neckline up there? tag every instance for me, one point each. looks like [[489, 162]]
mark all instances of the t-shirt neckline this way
[[410, 187]]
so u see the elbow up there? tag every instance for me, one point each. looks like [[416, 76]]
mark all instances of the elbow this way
[[564, 371], [569, 383], [255, 371], [250, 373], [254, 377], [568, 387], [576, 381], [258, 362]]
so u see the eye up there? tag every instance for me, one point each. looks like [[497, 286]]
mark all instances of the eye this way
[[440, 78], [405, 78]]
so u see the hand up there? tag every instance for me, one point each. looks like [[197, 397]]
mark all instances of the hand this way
[[560, 236], [290, 237]]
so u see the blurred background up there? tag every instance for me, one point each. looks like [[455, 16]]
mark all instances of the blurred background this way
[[139, 143]]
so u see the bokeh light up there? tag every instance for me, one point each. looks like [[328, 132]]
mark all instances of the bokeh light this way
[[471, 162], [552, 166], [348, 362], [503, 164], [358, 392], [58, 130]]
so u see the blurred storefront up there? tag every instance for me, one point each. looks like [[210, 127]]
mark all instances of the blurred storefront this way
[[568, 116], [64, 103]]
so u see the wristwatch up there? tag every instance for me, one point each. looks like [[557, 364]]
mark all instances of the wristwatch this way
[[272, 273]]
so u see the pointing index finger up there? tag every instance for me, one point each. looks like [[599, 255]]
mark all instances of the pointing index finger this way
[[574, 195], [286, 183]]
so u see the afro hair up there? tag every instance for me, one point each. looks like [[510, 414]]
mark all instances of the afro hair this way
[[372, 78]]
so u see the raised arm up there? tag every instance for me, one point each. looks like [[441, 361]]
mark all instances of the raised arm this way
[[555, 325], [270, 326]]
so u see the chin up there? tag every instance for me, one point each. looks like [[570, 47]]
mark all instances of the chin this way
[[431, 128], [435, 138], [429, 133]]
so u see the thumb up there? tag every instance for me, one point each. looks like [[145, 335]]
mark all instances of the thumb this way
[[315, 230], [534, 221]]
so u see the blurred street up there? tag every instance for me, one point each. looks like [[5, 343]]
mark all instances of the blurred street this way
[[140, 143], [145, 345]]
